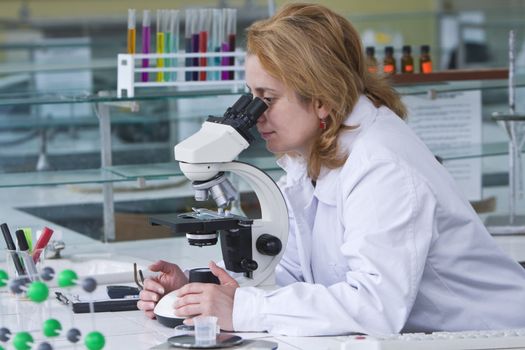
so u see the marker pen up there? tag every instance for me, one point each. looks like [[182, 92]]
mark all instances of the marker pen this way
[[11, 247], [24, 250], [41, 243]]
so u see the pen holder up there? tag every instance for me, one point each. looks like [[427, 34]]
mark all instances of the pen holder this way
[[24, 264]]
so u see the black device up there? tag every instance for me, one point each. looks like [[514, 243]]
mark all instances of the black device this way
[[127, 304], [120, 292]]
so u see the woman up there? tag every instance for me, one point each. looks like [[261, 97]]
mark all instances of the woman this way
[[381, 241]]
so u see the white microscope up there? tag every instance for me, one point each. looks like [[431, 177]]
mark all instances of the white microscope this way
[[250, 247]]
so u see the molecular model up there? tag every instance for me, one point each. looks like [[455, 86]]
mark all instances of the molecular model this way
[[37, 291]]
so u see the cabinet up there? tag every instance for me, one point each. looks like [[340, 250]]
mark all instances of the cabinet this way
[[151, 178]]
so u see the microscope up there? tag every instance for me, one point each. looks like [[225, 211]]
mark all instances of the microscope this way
[[251, 248]]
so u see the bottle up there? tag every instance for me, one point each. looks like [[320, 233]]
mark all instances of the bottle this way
[[425, 62], [407, 61], [371, 62], [389, 63]]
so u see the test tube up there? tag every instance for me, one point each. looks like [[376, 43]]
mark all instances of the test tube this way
[[195, 42], [216, 40], [205, 25], [132, 33], [174, 29], [187, 43], [225, 45], [160, 45], [167, 40], [232, 35], [146, 41]]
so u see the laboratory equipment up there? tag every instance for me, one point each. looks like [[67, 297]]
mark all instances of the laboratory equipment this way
[[486, 339], [165, 313], [250, 247]]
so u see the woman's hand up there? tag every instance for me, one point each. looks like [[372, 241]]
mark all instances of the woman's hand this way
[[170, 278], [209, 299]]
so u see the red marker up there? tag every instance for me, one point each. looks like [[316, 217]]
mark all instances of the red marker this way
[[42, 243]]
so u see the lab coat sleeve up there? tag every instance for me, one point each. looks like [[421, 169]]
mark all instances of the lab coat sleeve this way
[[388, 220]]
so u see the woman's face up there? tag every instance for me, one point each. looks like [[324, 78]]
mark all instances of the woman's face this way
[[288, 125]]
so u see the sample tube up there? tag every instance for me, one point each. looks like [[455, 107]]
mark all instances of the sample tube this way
[[132, 33], [167, 40], [205, 24], [195, 42], [146, 41], [216, 40], [188, 62], [232, 34], [160, 45], [174, 30], [225, 45]]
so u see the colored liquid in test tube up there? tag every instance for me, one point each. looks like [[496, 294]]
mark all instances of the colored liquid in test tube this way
[[146, 41], [132, 33], [167, 41], [174, 29], [217, 32], [188, 62], [205, 25], [160, 45]]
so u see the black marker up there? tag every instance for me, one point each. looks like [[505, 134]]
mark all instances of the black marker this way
[[12, 248], [23, 246]]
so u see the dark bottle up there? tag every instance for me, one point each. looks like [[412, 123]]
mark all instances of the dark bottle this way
[[389, 63], [371, 62], [425, 62], [407, 61]]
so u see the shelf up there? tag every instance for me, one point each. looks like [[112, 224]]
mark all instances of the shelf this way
[[451, 75], [116, 173], [456, 86], [48, 178], [472, 151]]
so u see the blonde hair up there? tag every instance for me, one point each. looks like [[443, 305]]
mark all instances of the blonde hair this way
[[318, 54]]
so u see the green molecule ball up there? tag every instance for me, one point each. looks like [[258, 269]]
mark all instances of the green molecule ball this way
[[22, 341], [94, 341], [67, 278], [3, 278], [52, 328], [38, 291]]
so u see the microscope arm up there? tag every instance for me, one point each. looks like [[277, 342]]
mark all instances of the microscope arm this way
[[274, 213]]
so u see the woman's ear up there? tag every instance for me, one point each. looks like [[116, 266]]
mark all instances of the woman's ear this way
[[321, 110]]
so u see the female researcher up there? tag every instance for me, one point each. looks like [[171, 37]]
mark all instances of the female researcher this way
[[381, 240]]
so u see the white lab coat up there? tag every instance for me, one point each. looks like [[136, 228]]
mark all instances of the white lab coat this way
[[384, 244]]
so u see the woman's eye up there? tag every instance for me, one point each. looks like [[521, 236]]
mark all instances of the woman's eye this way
[[268, 99]]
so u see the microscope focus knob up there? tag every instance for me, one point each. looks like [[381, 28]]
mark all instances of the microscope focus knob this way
[[249, 265], [268, 245]]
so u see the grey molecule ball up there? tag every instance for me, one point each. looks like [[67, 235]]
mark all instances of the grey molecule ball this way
[[5, 334], [15, 286], [47, 273], [89, 284], [44, 346], [73, 335]]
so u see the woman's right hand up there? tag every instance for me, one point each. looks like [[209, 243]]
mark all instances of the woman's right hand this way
[[170, 278]]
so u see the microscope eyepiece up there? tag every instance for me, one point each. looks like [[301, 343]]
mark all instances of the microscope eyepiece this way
[[242, 115], [254, 110], [242, 103]]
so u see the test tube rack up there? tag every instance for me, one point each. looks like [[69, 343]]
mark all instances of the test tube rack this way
[[129, 72]]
